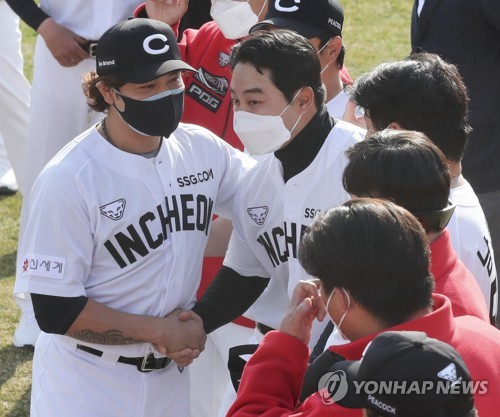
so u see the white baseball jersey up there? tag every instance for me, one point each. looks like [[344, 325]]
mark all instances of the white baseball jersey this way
[[471, 240], [270, 216], [126, 231], [336, 106]]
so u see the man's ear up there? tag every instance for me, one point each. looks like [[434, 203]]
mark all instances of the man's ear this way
[[395, 126], [333, 48], [305, 98], [106, 91]]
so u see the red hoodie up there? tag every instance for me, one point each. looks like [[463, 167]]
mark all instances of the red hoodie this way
[[272, 379]]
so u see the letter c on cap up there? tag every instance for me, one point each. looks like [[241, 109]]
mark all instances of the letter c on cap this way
[[280, 8], [152, 51]]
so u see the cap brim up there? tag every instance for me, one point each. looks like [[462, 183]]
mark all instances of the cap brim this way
[[153, 71], [351, 399], [306, 31]]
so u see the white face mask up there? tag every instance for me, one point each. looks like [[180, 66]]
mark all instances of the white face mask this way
[[234, 18], [261, 134], [341, 336]]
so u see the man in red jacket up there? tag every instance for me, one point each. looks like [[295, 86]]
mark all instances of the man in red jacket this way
[[373, 265]]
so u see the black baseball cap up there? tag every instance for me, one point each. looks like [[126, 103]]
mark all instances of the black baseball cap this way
[[309, 18], [139, 50], [413, 358]]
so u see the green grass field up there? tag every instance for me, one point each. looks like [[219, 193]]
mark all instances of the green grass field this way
[[374, 32]]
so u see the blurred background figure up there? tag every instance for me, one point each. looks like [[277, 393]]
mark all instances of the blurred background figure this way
[[14, 103]]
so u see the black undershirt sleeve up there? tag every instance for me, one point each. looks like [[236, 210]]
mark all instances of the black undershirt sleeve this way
[[227, 297], [57, 314], [29, 12]]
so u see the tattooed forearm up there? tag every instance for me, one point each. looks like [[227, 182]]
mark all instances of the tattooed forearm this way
[[110, 337]]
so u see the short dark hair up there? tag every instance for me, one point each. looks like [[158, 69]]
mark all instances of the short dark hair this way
[[290, 57], [377, 251], [323, 39], [401, 165], [421, 92]]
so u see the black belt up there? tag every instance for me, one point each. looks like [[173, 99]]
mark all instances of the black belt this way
[[90, 47], [146, 363], [263, 328]]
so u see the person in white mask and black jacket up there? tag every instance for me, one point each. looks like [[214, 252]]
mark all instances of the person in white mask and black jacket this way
[[279, 110]]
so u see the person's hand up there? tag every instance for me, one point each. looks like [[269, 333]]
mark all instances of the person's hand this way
[[183, 338], [168, 11], [63, 44], [183, 357], [352, 116], [305, 306]]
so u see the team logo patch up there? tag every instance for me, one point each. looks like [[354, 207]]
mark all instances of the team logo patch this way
[[43, 266], [223, 59], [449, 373], [204, 97], [114, 210], [217, 84], [258, 214]]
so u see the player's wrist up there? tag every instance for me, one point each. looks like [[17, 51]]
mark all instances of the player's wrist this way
[[46, 27]]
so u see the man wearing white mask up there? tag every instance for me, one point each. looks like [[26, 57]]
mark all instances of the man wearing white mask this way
[[207, 102], [279, 110]]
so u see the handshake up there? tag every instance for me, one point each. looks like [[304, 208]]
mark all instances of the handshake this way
[[181, 336]]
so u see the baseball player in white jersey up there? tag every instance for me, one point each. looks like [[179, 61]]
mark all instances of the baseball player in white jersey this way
[[279, 110], [118, 225], [270, 217], [68, 32]]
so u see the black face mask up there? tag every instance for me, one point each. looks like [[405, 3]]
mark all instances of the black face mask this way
[[158, 115]]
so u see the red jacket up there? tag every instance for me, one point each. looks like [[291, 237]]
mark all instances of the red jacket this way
[[272, 379], [453, 279]]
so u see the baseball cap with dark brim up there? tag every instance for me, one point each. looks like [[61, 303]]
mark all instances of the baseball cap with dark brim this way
[[306, 31], [308, 18], [411, 357], [139, 50]]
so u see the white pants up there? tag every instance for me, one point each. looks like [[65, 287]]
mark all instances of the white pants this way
[[209, 373], [70, 382], [14, 92]]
